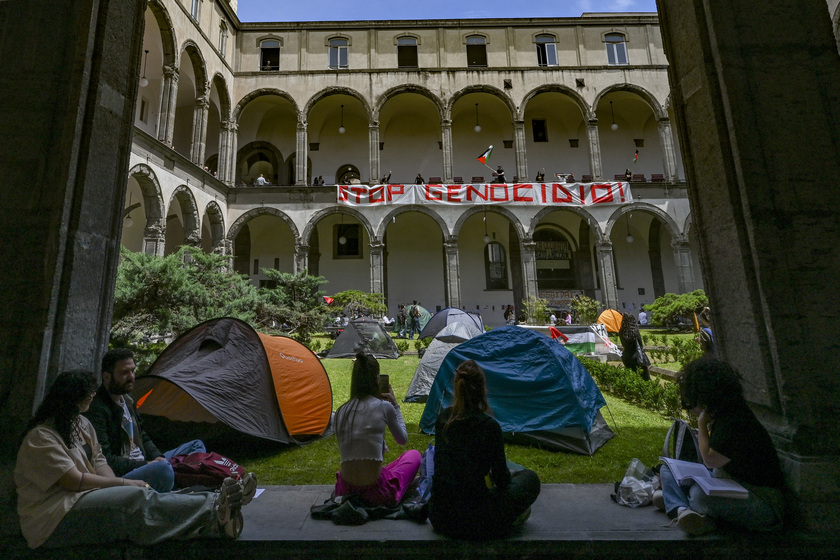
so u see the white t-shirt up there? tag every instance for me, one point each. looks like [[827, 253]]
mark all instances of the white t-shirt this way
[[360, 428]]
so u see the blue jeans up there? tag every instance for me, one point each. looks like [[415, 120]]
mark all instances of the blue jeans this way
[[159, 474], [762, 511]]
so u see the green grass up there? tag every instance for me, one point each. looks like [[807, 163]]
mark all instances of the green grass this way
[[639, 433]]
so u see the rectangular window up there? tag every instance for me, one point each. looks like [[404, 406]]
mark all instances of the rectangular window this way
[[222, 39], [476, 51], [547, 54], [276, 264], [144, 110], [407, 56], [540, 130], [256, 266], [194, 9], [347, 241], [338, 53]]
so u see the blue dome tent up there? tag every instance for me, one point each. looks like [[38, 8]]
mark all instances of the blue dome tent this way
[[539, 392]]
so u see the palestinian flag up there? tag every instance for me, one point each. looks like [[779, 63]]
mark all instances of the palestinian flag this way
[[485, 156]]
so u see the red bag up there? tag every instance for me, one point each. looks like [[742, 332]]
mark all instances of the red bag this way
[[204, 469]]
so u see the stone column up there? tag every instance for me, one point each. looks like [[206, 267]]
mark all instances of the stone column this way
[[233, 167], [764, 200], [168, 100], [68, 118], [224, 153], [302, 154], [529, 268], [373, 150], [223, 246], [377, 267], [519, 148], [154, 237], [446, 139], [453, 273], [199, 133], [682, 259], [301, 258], [669, 155], [594, 149], [606, 271]]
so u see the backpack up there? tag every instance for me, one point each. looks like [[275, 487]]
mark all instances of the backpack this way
[[204, 469], [681, 443], [414, 311]]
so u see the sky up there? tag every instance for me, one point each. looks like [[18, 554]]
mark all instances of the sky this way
[[332, 10]]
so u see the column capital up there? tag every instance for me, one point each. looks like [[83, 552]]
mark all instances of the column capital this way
[[170, 72], [230, 126], [373, 124], [679, 242]]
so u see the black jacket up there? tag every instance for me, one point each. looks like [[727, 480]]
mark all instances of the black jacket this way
[[106, 417]]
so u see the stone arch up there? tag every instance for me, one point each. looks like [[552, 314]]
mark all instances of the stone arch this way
[[216, 220], [407, 88], [276, 159], [383, 225], [224, 95], [640, 207], [585, 110], [580, 211], [478, 209], [189, 211], [237, 225], [835, 25], [167, 33], [240, 106], [337, 90], [152, 193], [318, 216], [199, 67], [647, 96], [494, 91]]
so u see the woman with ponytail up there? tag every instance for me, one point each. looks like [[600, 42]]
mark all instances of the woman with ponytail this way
[[474, 495], [360, 430]]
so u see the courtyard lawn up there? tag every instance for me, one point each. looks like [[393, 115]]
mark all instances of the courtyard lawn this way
[[639, 433]]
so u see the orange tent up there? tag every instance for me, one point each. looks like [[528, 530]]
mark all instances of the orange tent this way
[[611, 319], [222, 373]]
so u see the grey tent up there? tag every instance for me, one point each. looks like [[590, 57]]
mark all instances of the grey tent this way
[[223, 376], [448, 316], [450, 337], [364, 336]]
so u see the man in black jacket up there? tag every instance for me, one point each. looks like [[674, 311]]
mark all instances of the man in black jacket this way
[[128, 449]]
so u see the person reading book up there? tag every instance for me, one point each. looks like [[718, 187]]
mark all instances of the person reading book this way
[[735, 445]]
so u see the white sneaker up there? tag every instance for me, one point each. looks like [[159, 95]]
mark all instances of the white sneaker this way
[[694, 523], [658, 500]]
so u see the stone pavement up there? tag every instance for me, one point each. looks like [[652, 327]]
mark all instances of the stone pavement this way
[[567, 521]]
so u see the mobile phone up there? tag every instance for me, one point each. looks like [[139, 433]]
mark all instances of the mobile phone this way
[[384, 383]]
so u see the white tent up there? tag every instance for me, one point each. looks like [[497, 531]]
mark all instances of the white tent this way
[[451, 336]]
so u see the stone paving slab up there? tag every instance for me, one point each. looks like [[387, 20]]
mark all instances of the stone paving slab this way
[[562, 512]]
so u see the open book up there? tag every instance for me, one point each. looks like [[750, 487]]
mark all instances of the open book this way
[[720, 487]]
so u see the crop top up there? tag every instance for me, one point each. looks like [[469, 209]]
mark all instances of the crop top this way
[[360, 428]]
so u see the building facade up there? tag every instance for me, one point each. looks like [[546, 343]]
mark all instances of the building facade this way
[[235, 121]]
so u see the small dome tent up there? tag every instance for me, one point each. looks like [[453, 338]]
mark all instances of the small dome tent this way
[[451, 315], [539, 392], [447, 339], [224, 373], [365, 336], [611, 319]]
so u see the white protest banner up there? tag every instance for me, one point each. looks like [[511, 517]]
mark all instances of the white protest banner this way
[[509, 194]]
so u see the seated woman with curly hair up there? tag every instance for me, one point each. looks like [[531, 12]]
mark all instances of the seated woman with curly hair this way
[[735, 445]]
